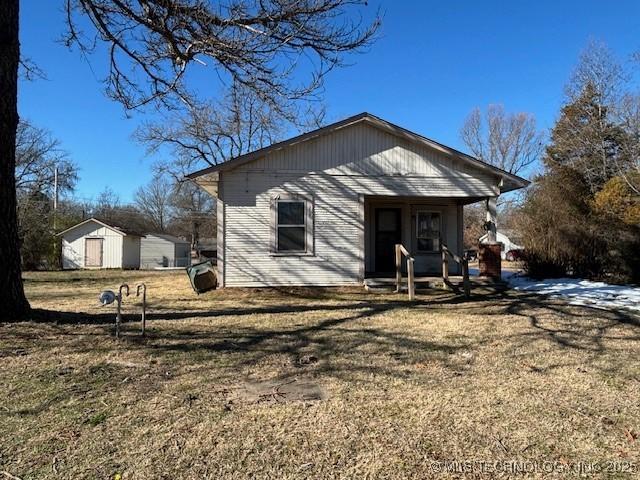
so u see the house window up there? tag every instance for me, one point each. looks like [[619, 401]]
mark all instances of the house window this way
[[428, 231], [291, 226]]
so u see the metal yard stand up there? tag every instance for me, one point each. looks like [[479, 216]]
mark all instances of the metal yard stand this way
[[107, 297], [118, 314], [143, 287]]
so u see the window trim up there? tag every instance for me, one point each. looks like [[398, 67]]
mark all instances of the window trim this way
[[418, 212], [309, 237], [302, 225]]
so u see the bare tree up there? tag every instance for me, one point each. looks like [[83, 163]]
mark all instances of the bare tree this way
[[264, 45], [601, 118], [628, 114], [194, 212], [106, 205], [598, 67], [154, 201], [29, 70], [510, 141], [475, 217], [38, 155], [214, 132]]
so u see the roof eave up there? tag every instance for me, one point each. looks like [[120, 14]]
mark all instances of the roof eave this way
[[514, 184]]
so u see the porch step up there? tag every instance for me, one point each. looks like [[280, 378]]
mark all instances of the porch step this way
[[387, 284], [382, 285]]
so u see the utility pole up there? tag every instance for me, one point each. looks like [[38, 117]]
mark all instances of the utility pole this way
[[55, 198], [55, 216]]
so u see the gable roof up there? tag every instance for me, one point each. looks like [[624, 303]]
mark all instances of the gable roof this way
[[121, 230], [511, 181]]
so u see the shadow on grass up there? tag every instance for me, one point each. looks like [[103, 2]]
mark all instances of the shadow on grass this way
[[553, 320], [490, 301], [341, 333], [348, 343]]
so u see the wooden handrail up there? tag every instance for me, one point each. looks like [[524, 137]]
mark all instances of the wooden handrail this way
[[411, 285], [463, 262], [455, 257]]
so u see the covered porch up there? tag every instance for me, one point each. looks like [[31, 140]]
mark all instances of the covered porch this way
[[424, 226]]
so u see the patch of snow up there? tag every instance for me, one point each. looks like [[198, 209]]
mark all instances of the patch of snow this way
[[579, 292]]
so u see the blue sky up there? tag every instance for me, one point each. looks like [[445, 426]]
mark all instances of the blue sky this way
[[433, 63]]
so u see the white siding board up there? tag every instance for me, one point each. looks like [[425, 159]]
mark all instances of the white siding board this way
[[131, 251], [366, 150]]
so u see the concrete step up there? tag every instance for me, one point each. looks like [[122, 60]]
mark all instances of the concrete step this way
[[388, 284], [382, 285]]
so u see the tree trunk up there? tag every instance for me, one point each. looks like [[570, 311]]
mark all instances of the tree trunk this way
[[12, 299]]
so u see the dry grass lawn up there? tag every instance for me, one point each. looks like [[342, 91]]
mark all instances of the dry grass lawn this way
[[503, 377]]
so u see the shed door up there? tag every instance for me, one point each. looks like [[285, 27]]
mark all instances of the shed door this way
[[93, 252]]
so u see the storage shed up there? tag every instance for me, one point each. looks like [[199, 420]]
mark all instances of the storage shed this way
[[94, 243], [160, 250]]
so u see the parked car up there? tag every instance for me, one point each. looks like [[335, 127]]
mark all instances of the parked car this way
[[514, 255]]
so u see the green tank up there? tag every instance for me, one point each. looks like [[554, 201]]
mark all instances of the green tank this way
[[203, 276]]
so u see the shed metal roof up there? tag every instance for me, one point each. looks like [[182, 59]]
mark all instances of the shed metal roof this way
[[167, 237], [116, 228]]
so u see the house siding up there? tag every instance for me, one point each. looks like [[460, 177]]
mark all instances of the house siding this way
[[366, 150], [156, 252], [131, 252], [337, 171], [160, 252], [182, 254]]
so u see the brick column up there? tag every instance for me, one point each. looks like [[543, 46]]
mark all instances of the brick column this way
[[489, 260]]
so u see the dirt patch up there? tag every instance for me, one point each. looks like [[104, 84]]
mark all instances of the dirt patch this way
[[276, 391]]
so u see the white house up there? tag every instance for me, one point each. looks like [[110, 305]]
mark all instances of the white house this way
[[96, 244], [160, 250], [327, 207], [506, 244]]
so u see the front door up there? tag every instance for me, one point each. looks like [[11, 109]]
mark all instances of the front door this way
[[388, 232]]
